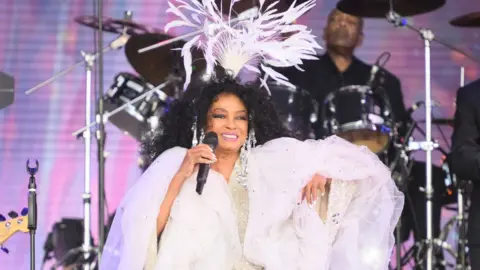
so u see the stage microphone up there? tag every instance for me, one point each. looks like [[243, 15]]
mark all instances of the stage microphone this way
[[211, 139]]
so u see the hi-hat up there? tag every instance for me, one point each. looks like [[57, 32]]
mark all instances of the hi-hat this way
[[113, 25], [468, 20], [379, 8], [93, 22]]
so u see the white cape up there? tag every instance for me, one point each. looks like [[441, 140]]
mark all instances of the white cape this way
[[364, 207]]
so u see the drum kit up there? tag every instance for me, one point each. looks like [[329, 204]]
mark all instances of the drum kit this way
[[135, 104]]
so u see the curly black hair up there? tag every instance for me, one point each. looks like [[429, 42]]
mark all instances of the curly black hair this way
[[176, 125]]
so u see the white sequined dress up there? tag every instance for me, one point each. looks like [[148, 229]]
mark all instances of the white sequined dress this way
[[263, 226]]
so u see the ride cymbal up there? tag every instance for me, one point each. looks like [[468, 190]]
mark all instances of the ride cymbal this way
[[380, 8]]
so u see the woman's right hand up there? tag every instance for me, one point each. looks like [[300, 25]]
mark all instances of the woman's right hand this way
[[201, 153]]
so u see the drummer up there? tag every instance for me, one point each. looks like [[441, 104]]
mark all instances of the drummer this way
[[339, 67]]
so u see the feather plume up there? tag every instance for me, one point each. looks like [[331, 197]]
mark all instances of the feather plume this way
[[256, 44]]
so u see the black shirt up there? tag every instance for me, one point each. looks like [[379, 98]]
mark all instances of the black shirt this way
[[466, 151], [321, 77]]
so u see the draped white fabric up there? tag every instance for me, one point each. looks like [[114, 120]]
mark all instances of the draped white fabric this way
[[363, 208]]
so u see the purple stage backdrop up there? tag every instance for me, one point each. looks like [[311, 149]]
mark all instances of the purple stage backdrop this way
[[40, 38]]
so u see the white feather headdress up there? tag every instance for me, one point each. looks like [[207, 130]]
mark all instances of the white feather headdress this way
[[269, 39]]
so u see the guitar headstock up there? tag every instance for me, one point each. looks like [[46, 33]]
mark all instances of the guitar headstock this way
[[8, 227]]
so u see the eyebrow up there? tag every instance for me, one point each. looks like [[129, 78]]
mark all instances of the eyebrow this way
[[223, 110]]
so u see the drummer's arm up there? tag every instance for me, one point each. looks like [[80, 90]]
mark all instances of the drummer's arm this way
[[465, 138]]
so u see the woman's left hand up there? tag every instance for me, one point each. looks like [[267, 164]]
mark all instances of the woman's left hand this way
[[317, 183]]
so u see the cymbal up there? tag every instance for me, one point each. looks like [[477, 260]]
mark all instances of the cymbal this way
[[380, 8], [133, 28], [440, 121], [93, 22], [114, 26], [468, 20], [241, 6], [156, 65]]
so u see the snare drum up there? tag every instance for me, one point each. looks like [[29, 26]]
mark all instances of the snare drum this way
[[358, 115], [296, 109]]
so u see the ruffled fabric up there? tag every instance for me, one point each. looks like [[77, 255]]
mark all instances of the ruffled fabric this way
[[202, 233], [364, 207], [135, 221]]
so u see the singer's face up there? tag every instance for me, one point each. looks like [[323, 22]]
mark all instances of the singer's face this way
[[343, 30], [228, 117]]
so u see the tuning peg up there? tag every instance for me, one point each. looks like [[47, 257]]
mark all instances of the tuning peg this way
[[24, 211], [2, 218], [13, 214], [4, 249]]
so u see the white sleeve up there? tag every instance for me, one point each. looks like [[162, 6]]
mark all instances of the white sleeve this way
[[287, 234], [365, 236], [135, 219]]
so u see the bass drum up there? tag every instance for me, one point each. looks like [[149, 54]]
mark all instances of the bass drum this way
[[296, 109], [360, 116]]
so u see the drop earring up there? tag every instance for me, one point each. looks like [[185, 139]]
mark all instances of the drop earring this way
[[242, 176]]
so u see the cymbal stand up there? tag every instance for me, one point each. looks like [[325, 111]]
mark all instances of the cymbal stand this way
[[462, 189], [461, 262], [100, 134], [428, 145]]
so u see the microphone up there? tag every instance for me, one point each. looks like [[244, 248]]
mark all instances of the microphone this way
[[211, 139], [373, 73], [376, 66]]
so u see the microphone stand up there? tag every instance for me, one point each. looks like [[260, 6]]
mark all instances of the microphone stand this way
[[32, 210]]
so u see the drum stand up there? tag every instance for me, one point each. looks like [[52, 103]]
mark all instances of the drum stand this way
[[427, 145], [463, 188]]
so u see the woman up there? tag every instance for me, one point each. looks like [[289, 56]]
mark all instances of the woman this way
[[267, 203], [277, 213]]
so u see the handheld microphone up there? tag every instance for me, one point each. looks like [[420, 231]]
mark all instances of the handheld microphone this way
[[211, 139]]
